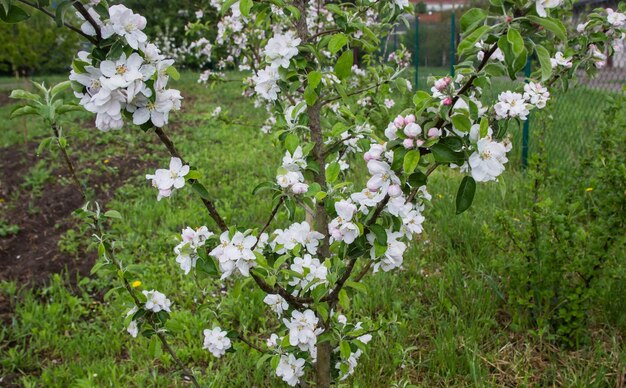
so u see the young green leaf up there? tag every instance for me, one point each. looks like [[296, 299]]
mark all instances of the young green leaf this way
[[465, 195]]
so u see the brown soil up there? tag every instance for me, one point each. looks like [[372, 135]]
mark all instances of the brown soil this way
[[32, 254]]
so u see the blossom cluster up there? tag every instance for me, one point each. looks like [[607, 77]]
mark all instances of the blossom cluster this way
[[187, 250], [290, 174], [216, 341], [166, 180], [131, 81], [236, 253]]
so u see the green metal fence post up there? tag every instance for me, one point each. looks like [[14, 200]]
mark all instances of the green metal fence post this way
[[452, 42], [417, 51], [525, 132]]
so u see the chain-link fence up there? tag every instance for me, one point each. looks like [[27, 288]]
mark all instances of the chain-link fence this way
[[432, 38]]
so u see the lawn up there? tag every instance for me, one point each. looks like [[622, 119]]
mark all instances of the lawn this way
[[451, 327]]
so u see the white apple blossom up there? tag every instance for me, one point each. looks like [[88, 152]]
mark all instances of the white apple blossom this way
[[393, 256], [273, 341], [511, 105], [487, 162], [167, 180], [314, 270], [296, 234], [124, 22], [235, 253], [290, 369], [156, 301], [265, 83], [382, 175], [216, 341], [542, 5], [132, 329], [560, 60], [616, 19], [277, 303], [187, 250], [295, 162], [351, 362], [342, 228], [281, 48], [536, 94], [303, 329]]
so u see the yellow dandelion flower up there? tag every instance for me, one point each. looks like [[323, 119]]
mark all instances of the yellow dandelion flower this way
[[588, 189], [136, 283]]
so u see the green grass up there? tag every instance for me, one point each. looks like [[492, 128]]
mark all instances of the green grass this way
[[445, 300]]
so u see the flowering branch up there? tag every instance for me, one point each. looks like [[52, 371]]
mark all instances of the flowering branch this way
[[53, 16]]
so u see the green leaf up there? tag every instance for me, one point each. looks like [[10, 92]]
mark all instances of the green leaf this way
[[291, 142], [172, 72], [469, 41], [344, 349], [472, 18], [360, 287], [207, 265], [461, 122], [444, 154], [380, 233], [245, 6], [484, 127], [154, 349], [314, 78], [411, 159], [6, 5], [200, 189], [69, 108], [58, 88], [264, 186], [515, 39], [14, 15], [59, 15], [19, 94], [113, 214], [465, 195], [337, 42], [553, 25], [418, 179], [23, 111], [310, 96], [544, 61], [343, 67], [332, 172]]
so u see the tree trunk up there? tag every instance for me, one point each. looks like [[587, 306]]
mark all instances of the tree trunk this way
[[322, 367]]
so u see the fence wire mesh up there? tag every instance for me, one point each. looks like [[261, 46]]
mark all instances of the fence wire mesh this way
[[431, 39]]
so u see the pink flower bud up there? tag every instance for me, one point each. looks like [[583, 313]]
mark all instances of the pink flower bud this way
[[408, 143], [409, 119], [299, 188], [412, 130], [447, 101], [399, 122], [368, 156], [419, 142], [434, 132], [394, 191]]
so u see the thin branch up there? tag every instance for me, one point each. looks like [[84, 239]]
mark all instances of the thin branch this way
[[354, 93], [161, 336], [269, 221], [68, 161], [85, 14], [250, 344], [210, 206], [51, 15]]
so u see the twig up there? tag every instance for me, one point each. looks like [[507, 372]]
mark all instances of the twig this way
[[68, 161], [83, 11], [269, 220], [210, 206], [51, 15], [161, 336]]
